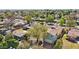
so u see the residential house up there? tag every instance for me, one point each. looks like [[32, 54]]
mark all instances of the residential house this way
[[50, 41], [74, 35], [53, 34], [19, 34], [18, 23]]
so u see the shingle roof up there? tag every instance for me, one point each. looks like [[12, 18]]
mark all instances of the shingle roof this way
[[55, 31], [73, 33], [19, 32]]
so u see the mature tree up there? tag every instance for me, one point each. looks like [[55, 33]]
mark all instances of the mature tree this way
[[8, 14], [28, 18], [3, 43], [11, 41], [38, 31], [62, 21], [8, 42], [2, 16], [1, 37], [8, 36], [70, 22], [50, 18]]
